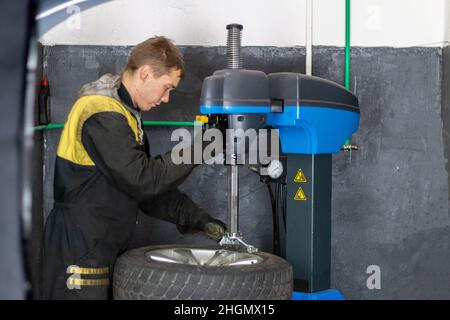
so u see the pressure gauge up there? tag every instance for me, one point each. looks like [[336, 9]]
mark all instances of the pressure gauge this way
[[275, 169]]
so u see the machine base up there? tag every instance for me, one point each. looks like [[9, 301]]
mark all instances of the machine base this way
[[329, 294]]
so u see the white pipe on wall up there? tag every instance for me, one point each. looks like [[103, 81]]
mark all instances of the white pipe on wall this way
[[309, 36]]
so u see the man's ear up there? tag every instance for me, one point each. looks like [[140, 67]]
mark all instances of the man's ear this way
[[145, 72]]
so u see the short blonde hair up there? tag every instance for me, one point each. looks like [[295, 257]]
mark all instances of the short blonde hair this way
[[158, 52]]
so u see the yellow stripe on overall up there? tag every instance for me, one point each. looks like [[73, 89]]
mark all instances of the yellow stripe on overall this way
[[70, 145]]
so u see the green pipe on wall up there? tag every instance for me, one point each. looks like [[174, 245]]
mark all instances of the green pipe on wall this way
[[173, 123], [347, 44], [146, 123], [49, 126], [347, 50]]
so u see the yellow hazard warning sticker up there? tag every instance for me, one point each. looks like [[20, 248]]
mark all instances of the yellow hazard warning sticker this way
[[300, 195], [300, 177]]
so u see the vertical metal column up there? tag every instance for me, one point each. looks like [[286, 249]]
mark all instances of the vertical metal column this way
[[233, 198], [308, 220], [234, 61]]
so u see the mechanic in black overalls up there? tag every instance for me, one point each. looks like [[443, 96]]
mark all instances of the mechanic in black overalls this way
[[104, 174]]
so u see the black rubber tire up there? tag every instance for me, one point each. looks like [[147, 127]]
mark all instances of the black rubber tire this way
[[138, 278]]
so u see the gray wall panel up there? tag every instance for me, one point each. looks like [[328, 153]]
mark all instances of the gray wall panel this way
[[390, 198]]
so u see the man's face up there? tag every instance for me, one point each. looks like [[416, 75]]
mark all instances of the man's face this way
[[151, 90]]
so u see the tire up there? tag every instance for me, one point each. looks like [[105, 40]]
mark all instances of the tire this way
[[137, 277]]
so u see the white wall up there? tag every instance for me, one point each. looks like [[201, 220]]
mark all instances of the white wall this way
[[397, 23], [447, 21]]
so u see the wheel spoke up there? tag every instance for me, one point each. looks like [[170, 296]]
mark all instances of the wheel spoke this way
[[216, 257]]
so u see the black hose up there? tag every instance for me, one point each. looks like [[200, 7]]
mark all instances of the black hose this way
[[276, 243], [277, 218], [284, 203]]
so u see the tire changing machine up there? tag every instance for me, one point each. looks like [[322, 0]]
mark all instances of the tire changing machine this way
[[314, 117]]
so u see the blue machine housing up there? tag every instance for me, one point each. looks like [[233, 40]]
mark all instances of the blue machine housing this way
[[318, 114], [313, 115], [312, 129]]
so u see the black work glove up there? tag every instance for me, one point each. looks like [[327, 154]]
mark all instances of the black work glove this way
[[215, 229]]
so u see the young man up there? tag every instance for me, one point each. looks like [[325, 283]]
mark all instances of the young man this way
[[104, 174]]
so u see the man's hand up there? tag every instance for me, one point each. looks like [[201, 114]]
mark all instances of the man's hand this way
[[215, 229]]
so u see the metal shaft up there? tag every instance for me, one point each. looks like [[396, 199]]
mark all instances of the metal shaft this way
[[234, 59], [233, 198]]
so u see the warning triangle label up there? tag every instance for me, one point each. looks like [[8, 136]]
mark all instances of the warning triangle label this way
[[300, 195], [300, 177]]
